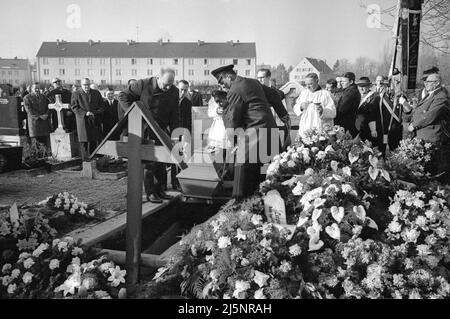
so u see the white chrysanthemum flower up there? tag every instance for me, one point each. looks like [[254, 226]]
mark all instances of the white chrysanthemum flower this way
[[11, 288], [346, 188], [347, 171], [394, 226], [256, 219], [291, 164], [259, 294], [285, 266], [421, 221], [240, 286], [6, 267], [15, 273], [28, 263], [27, 277], [224, 242], [62, 246], [54, 264], [295, 250]]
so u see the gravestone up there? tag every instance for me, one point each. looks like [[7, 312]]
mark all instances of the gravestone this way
[[9, 120], [64, 146]]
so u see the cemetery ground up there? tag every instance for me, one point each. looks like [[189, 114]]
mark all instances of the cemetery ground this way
[[24, 189]]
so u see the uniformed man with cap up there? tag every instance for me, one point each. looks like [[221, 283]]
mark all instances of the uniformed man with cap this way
[[68, 118], [247, 109]]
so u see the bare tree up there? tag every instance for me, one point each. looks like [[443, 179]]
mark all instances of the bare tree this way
[[435, 28]]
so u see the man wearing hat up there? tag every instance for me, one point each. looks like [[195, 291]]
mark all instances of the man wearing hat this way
[[88, 106], [247, 109], [348, 104], [68, 118], [367, 112]]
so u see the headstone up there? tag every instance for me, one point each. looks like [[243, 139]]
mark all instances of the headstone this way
[[64, 146], [9, 120], [274, 208]]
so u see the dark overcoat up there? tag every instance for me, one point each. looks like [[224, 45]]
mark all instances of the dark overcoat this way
[[346, 109], [162, 104], [432, 117], [110, 118], [36, 105], [82, 103]]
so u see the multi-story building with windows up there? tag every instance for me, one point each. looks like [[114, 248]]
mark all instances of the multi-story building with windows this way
[[15, 71], [117, 62]]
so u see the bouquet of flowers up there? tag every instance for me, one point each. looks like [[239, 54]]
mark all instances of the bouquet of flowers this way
[[411, 160], [22, 233], [56, 269], [69, 204]]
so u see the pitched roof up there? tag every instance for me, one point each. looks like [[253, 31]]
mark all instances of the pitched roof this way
[[148, 49], [13, 64], [320, 65]]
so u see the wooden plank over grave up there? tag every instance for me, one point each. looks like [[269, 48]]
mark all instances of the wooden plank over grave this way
[[93, 234]]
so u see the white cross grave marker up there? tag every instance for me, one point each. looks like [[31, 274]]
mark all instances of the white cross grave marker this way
[[58, 106]]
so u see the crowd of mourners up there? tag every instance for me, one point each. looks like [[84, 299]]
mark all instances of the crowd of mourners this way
[[380, 113]]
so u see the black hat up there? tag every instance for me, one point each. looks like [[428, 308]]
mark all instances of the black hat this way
[[433, 70], [395, 71], [363, 81], [349, 75], [217, 73]]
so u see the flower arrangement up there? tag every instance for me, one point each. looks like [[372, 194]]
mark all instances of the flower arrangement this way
[[411, 160], [69, 204], [57, 269], [353, 232], [22, 233]]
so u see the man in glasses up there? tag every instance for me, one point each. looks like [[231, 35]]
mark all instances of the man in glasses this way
[[68, 118], [431, 123]]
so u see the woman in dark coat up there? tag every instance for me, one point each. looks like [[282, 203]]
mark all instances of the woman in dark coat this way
[[367, 112]]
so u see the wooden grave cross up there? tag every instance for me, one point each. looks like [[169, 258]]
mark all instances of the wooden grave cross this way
[[136, 152]]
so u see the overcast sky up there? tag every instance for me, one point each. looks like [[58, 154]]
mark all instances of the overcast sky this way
[[284, 30]]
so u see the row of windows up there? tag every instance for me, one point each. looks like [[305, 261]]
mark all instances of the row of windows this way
[[4, 81], [90, 72], [117, 61], [304, 69], [10, 72]]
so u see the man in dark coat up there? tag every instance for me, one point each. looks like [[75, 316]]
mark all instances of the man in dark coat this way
[[88, 106], [111, 115], [431, 123], [161, 97], [348, 104], [247, 109], [195, 96], [68, 118], [275, 97], [36, 106]]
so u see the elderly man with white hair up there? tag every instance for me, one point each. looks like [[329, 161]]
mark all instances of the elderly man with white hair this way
[[315, 107], [431, 123]]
